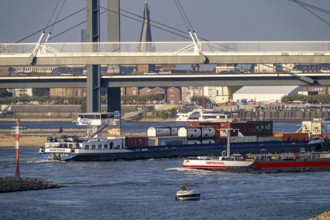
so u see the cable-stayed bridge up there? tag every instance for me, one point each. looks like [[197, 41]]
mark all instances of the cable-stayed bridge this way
[[205, 52]]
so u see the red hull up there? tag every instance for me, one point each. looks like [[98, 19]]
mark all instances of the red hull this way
[[291, 164]]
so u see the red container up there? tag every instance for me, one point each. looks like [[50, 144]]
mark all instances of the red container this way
[[295, 137], [220, 140], [244, 128], [194, 124], [327, 135], [136, 141]]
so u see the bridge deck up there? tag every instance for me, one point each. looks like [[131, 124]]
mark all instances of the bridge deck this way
[[213, 52]]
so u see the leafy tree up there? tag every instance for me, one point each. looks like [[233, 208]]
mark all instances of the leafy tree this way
[[40, 92], [5, 93]]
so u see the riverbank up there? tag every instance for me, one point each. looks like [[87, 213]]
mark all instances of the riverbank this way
[[13, 184]]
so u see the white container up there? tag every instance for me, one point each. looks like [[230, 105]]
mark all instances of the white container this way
[[208, 141], [208, 132], [194, 142], [162, 131], [189, 132], [306, 126], [316, 127], [244, 139], [167, 141], [269, 139]]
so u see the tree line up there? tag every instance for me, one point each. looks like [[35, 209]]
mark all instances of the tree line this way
[[315, 99]]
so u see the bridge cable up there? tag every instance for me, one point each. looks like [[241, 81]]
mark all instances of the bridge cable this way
[[72, 27], [39, 46], [308, 8], [62, 19], [183, 15], [58, 14], [311, 6]]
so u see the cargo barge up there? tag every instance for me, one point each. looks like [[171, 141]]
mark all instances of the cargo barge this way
[[202, 138]]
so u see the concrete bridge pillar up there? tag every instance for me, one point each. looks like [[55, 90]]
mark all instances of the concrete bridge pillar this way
[[93, 71], [113, 94], [114, 100]]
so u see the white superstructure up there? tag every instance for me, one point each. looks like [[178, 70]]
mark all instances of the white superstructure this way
[[203, 115]]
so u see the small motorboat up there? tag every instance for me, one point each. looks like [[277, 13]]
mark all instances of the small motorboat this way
[[187, 193]]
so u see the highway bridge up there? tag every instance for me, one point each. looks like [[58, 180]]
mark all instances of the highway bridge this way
[[196, 79]]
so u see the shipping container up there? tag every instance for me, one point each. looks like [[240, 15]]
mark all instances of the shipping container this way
[[190, 132], [306, 127], [208, 132], [295, 136], [276, 134], [136, 141], [316, 127], [194, 124], [167, 141], [220, 140], [215, 125], [196, 132], [269, 139], [194, 142], [244, 139], [326, 127], [263, 127], [208, 141], [326, 135], [243, 129], [162, 131]]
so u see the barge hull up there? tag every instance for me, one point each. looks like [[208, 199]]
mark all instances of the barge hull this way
[[192, 150]]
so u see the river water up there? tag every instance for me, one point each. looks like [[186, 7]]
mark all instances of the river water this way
[[145, 189]]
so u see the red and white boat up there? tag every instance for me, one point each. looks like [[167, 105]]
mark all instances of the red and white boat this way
[[218, 163], [263, 162]]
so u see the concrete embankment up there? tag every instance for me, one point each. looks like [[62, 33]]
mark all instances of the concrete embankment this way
[[282, 115], [12, 184], [69, 112]]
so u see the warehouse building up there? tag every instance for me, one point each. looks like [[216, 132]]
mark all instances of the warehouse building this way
[[264, 93]]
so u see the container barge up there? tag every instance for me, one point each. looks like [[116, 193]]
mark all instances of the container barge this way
[[199, 138]]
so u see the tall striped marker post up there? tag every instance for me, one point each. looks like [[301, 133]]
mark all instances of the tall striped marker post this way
[[17, 134]]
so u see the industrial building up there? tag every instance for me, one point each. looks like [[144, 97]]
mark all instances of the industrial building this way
[[264, 93]]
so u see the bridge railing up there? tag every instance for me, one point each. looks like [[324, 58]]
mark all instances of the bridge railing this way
[[154, 48]]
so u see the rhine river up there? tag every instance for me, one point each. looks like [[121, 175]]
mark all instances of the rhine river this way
[[145, 189]]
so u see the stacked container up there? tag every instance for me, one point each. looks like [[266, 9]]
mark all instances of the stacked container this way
[[316, 128], [326, 129], [198, 135], [167, 141], [295, 137], [243, 129], [264, 128], [162, 131], [136, 141]]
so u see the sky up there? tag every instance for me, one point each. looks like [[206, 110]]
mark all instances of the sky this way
[[216, 20]]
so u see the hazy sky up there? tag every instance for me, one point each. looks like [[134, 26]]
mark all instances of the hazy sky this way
[[219, 20]]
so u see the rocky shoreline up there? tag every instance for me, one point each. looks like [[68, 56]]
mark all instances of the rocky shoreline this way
[[323, 216], [13, 184]]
